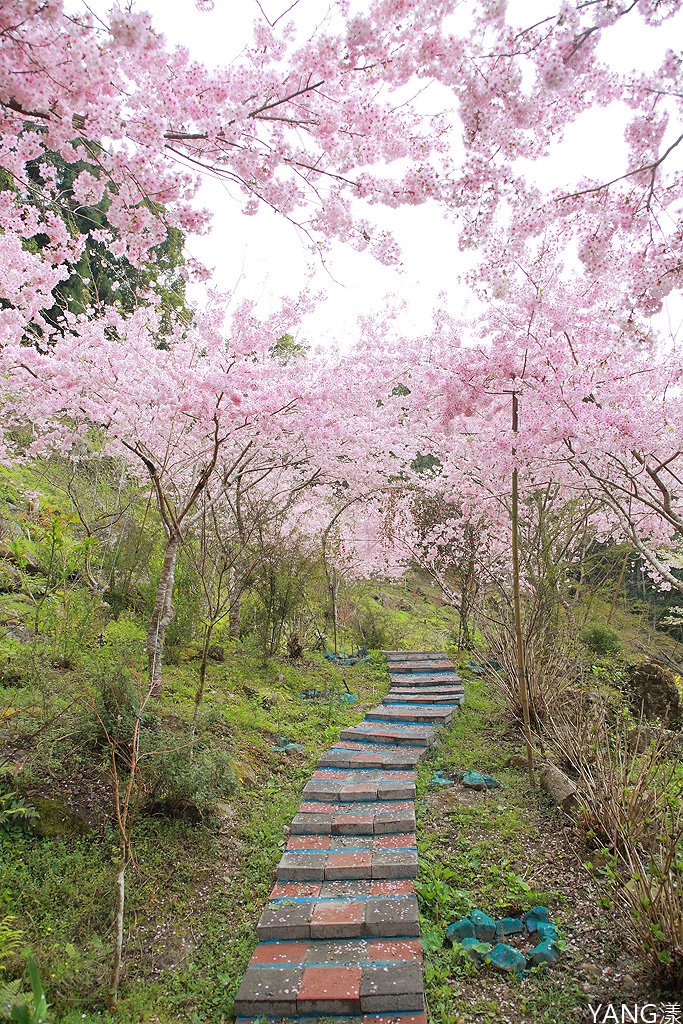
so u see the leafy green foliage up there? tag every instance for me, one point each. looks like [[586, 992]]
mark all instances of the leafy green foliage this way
[[14, 808], [600, 639], [183, 776], [99, 277]]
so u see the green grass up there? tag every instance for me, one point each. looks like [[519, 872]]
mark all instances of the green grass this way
[[196, 890]]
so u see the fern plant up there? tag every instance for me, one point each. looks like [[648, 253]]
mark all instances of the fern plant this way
[[24, 1009]]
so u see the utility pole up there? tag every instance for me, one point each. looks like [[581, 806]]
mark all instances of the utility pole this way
[[519, 636]]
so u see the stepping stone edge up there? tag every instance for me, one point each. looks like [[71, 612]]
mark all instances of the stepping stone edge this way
[[339, 937]]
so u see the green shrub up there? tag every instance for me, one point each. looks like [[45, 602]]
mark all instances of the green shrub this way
[[113, 699], [185, 780], [374, 627], [600, 639], [126, 637]]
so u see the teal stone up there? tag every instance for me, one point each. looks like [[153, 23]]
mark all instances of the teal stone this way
[[460, 930], [545, 952], [534, 917], [439, 779], [484, 926], [509, 926], [474, 780], [491, 783], [476, 950], [547, 931], [505, 958]]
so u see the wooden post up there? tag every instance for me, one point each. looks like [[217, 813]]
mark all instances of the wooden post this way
[[519, 636]]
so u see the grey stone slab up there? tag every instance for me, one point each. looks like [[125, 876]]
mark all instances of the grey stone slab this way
[[338, 951], [294, 866], [391, 917], [356, 791], [388, 824], [345, 889], [396, 791], [394, 864], [267, 991], [285, 921], [386, 988], [311, 825]]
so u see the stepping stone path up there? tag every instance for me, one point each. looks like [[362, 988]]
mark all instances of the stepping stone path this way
[[339, 939]]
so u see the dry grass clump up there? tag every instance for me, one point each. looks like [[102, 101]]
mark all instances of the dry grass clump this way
[[631, 801]]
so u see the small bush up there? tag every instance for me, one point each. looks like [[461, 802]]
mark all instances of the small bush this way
[[113, 701], [125, 637], [184, 780], [601, 640], [374, 627]]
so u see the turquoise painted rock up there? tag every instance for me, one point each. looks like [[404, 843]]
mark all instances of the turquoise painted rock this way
[[505, 958], [509, 926], [547, 932], [476, 950], [545, 952], [460, 930], [534, 917], [439, 779], [491, 783], [484, 926], [474, 780]]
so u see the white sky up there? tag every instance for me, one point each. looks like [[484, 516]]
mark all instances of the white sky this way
[[264, 256]]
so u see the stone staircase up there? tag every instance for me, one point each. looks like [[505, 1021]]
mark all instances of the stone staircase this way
[[339, 937]]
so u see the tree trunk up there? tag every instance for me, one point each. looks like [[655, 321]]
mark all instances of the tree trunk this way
[[559, 787], [235, 622], [199, 694], [115, 976], [161, 616]]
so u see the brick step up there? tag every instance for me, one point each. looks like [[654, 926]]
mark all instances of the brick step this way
[[365, 1018], [337, 951], [391, 735], [365, 755], [444, 700], [330, 990], [352, 790], [344, 888], [407, 667], [427, 688], [417, 713], [354, 819], [424, 678], [379, 917], [350, 864], [414, 655], [337, 844]]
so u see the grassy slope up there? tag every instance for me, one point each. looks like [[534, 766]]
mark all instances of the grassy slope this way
[[195, 896], [503, 852], [198, 889]]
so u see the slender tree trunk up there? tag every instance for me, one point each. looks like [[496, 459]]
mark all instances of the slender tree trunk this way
[[519, 636], [199, 694], [115, 976], [235, 591], [161, 616]]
